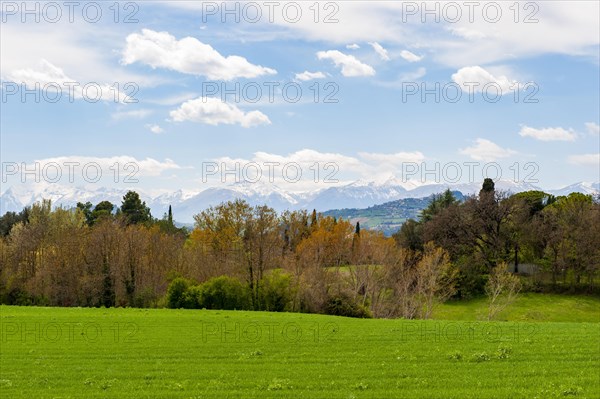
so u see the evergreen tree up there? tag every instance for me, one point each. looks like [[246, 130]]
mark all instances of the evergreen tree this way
[[134, 209], [488, 186], [313, 220]]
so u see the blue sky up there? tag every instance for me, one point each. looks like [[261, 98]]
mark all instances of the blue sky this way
[[368, 61]]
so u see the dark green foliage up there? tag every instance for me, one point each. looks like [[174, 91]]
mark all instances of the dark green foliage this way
[[9, 219], [535, 200], [101, 210], [86, 209], [276, 291], [342, 304], [410, 235], [488, 186], [471, 279], [438, 203], [134, 210], [226, 293], [176, 293]]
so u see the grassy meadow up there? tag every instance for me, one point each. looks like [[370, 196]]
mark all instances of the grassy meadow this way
[[161, 353]]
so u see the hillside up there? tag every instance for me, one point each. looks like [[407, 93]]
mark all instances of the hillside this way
[[387, 217], [165, 353]]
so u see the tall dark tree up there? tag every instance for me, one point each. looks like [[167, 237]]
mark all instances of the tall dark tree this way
[[488, 186], [102, 210], [11, 218], [134, 210], [438, 203], [86, 209], [313, 220]]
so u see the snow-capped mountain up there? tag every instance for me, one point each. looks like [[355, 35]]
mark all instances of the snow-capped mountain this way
[[17, 197], [185, 204], [581, 187]]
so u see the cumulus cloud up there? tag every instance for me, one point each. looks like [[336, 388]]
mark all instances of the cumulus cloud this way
[[144, 167], [487, 151], [476, 77], [305, 76], [52, 79], [410, 57], [333, 167], [352, 46], [351, 67], [155, 128], [548, 134], [188, 55], [383, 53], [592, 128], [213, 111], [585, 160]]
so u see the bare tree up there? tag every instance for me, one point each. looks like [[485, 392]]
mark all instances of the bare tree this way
[[502, 289]]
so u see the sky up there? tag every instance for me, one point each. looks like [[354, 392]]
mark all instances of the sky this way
[[189, 94]]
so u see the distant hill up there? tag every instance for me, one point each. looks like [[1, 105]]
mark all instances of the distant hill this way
[[387, 217]]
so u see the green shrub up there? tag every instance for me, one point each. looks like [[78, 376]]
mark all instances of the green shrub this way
[[192, 297], [275, 294], [176, 293], [224, 293], [342, 304]]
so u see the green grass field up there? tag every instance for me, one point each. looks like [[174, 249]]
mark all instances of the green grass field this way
[[140, 353], [527, 307]]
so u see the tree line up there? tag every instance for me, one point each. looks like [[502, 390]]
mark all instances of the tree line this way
[[560, 235], [239, 256]]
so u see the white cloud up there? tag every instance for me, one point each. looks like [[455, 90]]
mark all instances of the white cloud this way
[[213, 111], [569, 28], [188, 55], [331, 166], [383, 53], [410, 57], [305, 76], [77, 48], [173, 100], [487, 151], [592, 128], [352, 46], [145, 167], [466, 33], [585, 160], [51, 79], [155, 128], [475, 78], [351, 66], [548, 134]]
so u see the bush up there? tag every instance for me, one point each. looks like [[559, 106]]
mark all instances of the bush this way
[[342, 304], [471, 279], [176, 293], [275, 293], [145, 299], [224, 293]]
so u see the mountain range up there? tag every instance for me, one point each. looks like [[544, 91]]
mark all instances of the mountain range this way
[[185, 204]]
